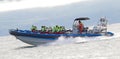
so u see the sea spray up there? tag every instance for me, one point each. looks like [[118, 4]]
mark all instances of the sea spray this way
[[116, 35], [62, 40], [70, 40], [77, 40]]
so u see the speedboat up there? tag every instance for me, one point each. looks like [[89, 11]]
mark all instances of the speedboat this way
[[37, 37]]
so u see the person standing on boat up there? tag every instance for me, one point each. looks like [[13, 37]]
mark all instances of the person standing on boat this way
[[80, 27]]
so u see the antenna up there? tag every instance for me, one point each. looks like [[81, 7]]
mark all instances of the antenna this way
[[103, 24]]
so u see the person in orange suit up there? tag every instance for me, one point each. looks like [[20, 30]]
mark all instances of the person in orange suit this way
[[80, 27]]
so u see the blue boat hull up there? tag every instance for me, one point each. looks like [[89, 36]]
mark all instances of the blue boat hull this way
[[36, 38]]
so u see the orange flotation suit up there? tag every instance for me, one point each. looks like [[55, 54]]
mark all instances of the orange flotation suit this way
[[81, 26]]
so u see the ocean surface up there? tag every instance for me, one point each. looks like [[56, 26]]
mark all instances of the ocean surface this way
[[102, 47]]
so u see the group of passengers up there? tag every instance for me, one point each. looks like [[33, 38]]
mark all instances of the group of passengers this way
[[45, 29]]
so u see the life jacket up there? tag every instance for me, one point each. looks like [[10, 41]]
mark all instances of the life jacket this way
[[34, 28], [43, 29], [54, 29], [58, 29], [61, 29]]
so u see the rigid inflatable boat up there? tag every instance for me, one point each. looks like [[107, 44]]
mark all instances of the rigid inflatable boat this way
[[38, 37]]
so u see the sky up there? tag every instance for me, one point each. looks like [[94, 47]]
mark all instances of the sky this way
[[17, 14], [24, 4]]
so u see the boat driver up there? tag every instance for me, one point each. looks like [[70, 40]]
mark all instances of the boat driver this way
[[80, 27]]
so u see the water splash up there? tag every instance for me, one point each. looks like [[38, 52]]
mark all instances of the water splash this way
[[71, 40]]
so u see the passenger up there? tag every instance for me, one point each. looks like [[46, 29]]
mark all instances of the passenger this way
[[43, 29], [33, 28], [58, 28], [63, 28], [47, 29], [50, 29], [80, 27], [54, 29]]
